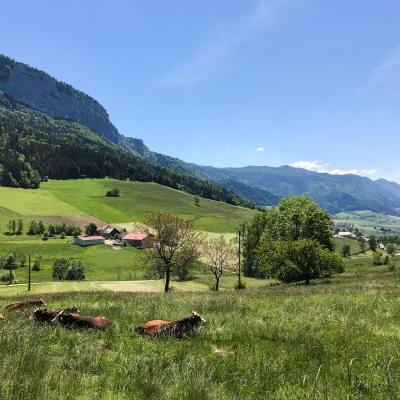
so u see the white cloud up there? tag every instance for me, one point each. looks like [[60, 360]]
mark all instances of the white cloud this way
[[214, 54], [388, 70], [318, 166], [260, 148], [310, 165]]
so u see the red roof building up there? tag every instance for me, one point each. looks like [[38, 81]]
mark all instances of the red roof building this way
[[139, 239], [89, 240]]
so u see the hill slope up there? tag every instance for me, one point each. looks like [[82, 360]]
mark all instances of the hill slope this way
[[34, 145], [266, 185], [86, 197]]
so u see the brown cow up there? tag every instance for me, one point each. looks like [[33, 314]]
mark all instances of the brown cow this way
[[78, 321], [24, 304], [49, 316], [176, 328], [69, 319]]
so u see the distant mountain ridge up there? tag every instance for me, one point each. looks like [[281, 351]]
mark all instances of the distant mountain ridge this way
[[266, 185], [259, 184]]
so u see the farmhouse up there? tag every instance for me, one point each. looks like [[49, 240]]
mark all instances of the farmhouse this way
[[108, 231], [139, 239], [88, 240], [349, 235]]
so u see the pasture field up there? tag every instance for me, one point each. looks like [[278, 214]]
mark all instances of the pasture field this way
[[337, 339], [368, 221], [340, 242], [102, 262], [78, 200]]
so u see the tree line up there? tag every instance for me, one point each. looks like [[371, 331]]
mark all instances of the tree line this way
[[291, 242], [62, 268], [16, 227]]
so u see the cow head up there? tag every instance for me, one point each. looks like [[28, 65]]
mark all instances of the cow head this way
[[198, 318], [37, 314], [74, 310]]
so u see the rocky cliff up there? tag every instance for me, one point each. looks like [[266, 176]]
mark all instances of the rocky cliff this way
[[57, 99]]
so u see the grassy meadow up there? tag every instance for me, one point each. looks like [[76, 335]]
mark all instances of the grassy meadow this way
[[86, 197], [79, 202], [337, 339], [369, 222], [333, 339]]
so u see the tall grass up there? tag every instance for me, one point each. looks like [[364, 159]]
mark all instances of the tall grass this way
[[333, 341]]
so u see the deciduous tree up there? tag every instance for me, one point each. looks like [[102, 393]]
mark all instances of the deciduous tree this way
[[219, 255], [175, 243]]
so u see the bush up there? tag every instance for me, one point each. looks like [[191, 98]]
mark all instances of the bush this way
[[377, 258], [392, 267], [115, 192], [8, 278], [300, 260], [241, 285], [69, 269], [346, 250], [37, 265], [91, 229]]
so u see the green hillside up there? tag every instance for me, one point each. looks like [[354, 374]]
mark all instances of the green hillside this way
[[81, 201], [86, 197]]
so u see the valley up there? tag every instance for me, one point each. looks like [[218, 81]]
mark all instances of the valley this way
[[79, 202], [295, 271]]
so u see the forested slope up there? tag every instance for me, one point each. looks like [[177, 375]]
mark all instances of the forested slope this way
[[34, 146]]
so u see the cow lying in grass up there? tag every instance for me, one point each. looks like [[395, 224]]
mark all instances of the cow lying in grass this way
[[24, 304], [69, 318], [178, 328], [47, 315]]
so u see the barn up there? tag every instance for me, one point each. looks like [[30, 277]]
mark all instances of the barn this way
[[88, 240], [108, 231], [139, 239]]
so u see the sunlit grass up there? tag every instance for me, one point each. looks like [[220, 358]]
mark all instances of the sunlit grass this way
[[331, 340]]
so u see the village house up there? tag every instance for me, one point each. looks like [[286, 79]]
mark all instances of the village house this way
[[139, 239], [349, 235], [108, 231], [88, 240]]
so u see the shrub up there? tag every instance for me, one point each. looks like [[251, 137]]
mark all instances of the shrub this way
[[115, 192], [346, 250], [69, 269], [91, 229], [37, 265], [241, 285], [377, 258], [300, 260]]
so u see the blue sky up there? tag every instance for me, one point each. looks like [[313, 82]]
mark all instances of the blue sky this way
[[312, 83]]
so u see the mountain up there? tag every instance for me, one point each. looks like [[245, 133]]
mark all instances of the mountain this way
[[29, 90], [266, 185], [334, 192], [392, 187], [57, 99], [34, 146]]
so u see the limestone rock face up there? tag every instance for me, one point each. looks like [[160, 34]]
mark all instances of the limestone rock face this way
[[57, 99]]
